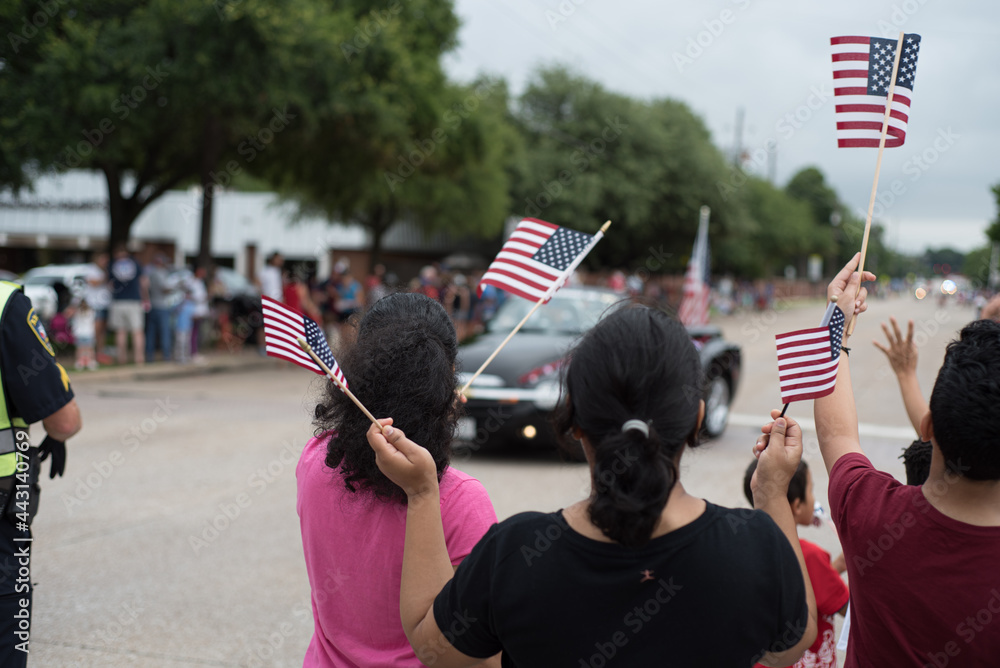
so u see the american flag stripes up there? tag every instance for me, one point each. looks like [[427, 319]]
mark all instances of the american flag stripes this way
[[282, 328], [694, 305], [862, 67], [537, 258], [808, 360]]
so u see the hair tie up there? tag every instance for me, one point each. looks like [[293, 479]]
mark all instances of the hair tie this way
[[638, 425]]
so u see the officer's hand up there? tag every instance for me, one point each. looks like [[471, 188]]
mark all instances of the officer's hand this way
[[57, 449]]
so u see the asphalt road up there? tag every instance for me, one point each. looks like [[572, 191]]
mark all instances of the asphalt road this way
[[173, 538]]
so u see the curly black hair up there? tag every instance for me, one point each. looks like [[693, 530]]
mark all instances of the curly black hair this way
[[402, 366]]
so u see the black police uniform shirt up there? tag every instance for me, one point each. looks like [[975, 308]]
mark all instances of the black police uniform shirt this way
[[719, 591], [35, 386]]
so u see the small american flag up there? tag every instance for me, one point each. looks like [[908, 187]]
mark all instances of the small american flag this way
[[694, 306], [535, 261], [808, 360], [282, 328], [862, 67]]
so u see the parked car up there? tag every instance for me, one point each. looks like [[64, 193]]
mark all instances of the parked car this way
[[511, 403], [51, 288]]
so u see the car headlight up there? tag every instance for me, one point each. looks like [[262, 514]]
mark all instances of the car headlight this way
[[547, 394]]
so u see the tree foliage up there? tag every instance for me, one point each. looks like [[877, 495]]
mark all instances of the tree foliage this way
[[156, 93], [593, 155]]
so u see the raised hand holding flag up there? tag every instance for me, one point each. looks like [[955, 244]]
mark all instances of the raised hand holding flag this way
[[863, 75]]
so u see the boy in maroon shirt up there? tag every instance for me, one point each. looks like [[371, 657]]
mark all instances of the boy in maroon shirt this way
[[923, 562]]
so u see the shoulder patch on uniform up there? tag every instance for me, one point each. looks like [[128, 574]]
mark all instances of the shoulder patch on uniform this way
[[35, 323]]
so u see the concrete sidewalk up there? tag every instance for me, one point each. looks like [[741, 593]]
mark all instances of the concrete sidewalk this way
[[214, 362]]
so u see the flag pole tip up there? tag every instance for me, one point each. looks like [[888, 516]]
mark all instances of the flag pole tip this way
[[605, 226], [833, 299]]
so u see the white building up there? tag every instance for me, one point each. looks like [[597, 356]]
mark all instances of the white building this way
[[65, 217]]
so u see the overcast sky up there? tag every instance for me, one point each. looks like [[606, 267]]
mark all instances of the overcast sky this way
[[773, 59]]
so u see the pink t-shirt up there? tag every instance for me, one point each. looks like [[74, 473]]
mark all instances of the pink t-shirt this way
[[353, 547]]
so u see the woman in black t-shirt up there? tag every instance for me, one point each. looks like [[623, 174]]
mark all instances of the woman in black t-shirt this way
[[641, 573]]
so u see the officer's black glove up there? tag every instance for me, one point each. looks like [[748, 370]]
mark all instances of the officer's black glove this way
[[57, 449]]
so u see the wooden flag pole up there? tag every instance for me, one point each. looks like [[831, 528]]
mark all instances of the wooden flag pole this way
[[878, 167], [502, 344], [547, 295], [306, 347]]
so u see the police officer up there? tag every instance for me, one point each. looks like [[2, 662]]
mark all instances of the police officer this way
[[35, 387]]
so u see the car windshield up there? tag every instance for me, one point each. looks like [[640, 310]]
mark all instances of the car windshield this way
[[39, 278], [571, 313]]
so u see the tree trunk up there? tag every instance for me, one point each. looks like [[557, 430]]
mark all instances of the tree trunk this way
[[211, 149], [119, 210], [381, 218]]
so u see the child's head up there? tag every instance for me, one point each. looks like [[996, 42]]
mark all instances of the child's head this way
[[800, 491], [402, 366], [636, 366], [917, 461], [965, 401]]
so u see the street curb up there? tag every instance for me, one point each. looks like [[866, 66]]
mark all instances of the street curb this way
[[171, 371]]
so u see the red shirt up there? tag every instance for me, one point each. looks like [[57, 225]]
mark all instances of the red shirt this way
[[831, 595], [925, 588]]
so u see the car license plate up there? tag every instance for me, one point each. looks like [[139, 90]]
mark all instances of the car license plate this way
[[466, 429]]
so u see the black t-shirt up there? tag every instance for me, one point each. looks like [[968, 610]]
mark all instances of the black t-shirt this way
[[36, 386], [718, 592]]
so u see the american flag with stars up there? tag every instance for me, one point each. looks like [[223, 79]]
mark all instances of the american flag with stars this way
[[537, 258], [808, 359], [862, 68], [283, 326]]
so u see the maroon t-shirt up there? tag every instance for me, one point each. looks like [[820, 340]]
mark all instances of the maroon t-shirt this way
[[925, 588]]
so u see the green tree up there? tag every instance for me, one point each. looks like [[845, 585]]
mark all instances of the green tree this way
[[156, 93], [993, 231], [403, 143], [593, 155]]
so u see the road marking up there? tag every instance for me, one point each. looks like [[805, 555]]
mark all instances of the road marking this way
[[864, 429]]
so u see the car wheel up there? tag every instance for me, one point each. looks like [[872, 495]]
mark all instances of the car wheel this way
[[716, 407]]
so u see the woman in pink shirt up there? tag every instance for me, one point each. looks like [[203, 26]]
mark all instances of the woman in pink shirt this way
[[353, 518]]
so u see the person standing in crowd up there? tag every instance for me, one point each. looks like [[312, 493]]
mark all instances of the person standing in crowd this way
[[129, 294], [199, 295], [158, 320], [375, 287], [429, 284], [42, 394], [457, 301], [98, 295], [185, 324], [350, 297], [270, 282], [269, 279], [83, 324]]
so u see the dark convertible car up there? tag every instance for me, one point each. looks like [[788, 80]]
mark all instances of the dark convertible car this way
[[510, 403]]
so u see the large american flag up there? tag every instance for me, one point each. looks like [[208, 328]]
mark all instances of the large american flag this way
[[808, 360], [862, 67], [694, 305], [537, 258], [283, 326]]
